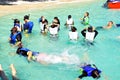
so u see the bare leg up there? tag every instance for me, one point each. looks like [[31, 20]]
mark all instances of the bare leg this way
[[13, 72], [2, 74]]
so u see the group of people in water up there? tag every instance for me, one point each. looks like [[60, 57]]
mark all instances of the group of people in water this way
[[88, 33]]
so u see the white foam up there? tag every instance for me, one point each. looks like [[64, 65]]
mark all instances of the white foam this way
[[64, 58]]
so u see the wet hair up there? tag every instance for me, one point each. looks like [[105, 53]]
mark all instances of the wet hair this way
[[111, 22], [16, 21], [95, 74], [14, 29], [69, 16], [73, 29], [90, 29], [87, 13], [26, 17], [57, 19], [53, 26], [18, 51]]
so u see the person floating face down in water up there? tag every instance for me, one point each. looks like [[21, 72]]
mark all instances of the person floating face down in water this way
[[28, 25], [89, 34], [85, 19], [89, 71], [15, 36], [44, 58]]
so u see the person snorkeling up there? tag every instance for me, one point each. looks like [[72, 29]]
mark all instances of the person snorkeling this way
[[44, 58], [89, 71]]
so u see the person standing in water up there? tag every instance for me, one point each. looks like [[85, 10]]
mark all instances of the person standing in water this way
[[28, 25], [73, 34], [85, 19], [89, 34], [69, 22], [43, 24]]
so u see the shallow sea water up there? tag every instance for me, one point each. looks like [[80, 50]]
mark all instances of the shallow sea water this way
[[105, 53]]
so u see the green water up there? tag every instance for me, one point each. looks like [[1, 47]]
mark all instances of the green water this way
[[104, 53]]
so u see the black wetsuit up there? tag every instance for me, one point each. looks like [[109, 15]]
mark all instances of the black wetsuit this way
[[22, 51], [89, 71], [118, 25]]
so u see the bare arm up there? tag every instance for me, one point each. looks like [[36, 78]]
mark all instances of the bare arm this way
[[29, 53]]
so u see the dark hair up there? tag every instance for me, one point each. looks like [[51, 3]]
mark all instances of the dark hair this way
[[26, 17], [87, 13], [57, 19], [73, 29], [53, 26], [95, 74], [90, 29], [16, 21], [69, 16], [14, 29], [111, 22]]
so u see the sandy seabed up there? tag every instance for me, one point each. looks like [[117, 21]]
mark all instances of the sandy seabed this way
[[22, 6]]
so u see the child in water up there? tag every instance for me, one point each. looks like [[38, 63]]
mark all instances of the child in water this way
[[85, 19]]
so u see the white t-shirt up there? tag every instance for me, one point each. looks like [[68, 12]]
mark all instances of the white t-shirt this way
[[41, 26], [53, 31], [69, 21], [73, 35], [90, 36]]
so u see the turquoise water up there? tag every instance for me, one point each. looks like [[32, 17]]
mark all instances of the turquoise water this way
[[104, 53]]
